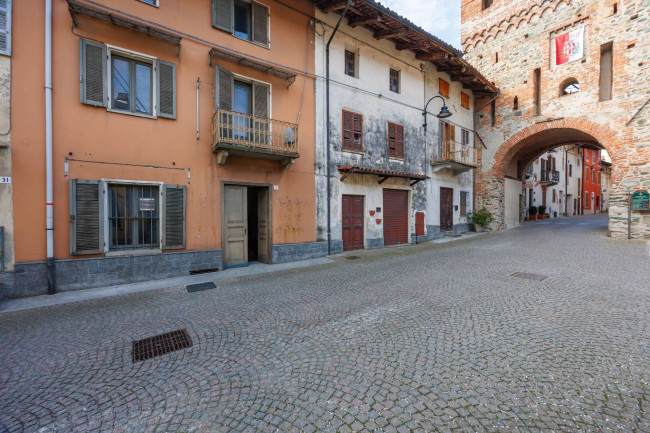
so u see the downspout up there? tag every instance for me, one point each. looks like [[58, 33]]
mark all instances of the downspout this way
[[49, 200], [476, 135], [327, 108]]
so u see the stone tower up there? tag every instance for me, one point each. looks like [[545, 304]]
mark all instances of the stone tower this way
[[571, 72]]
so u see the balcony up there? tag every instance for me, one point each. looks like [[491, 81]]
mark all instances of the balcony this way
[[453, 155], [241, 134], [551, 177]]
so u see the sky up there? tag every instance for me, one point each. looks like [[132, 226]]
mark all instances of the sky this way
[[441, 18]]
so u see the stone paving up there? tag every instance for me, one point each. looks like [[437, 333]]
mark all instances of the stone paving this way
[[433, 337]]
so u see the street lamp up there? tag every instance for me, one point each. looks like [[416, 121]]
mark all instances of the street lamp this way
[[444, 111]]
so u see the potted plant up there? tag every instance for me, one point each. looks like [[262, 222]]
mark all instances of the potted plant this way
[[541, 211], [532, 213], [481, 219]]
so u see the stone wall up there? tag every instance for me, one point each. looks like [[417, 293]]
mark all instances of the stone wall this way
[[521, 33]]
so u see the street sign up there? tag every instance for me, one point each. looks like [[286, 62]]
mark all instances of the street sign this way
[[641, 200]]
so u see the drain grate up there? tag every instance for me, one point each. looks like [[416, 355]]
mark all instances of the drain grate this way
[[536, 277], [352, 257], [160, 344], [200, 287], [204, 271]]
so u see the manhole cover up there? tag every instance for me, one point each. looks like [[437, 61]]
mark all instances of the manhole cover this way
[[200, 287], [160, 344], [536, 277], [352, 257]]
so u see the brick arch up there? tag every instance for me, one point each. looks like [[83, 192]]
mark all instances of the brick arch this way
[[602, 135]]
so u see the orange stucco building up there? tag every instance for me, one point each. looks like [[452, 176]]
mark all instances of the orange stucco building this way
[[148, 182]]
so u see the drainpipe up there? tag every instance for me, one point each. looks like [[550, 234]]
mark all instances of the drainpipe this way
[[327, 99], [49, 200]]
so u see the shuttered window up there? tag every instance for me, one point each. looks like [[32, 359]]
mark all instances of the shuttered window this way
[[464, 100], [444, 88], [245, 20], [464, 203], [134, 217], [395, 140], [352, 131], [5, 27], [132, 81]]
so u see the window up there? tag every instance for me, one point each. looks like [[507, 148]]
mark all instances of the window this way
[[150, 2], [586, 175], [599, 177], [515, 103], [587, 155], [569, 87], [606, 73], [464, 203], [5, 27], [352, 131], [486, 4], [248, 20], [350, 63], [554, 196], [464, 137], [394, 81], [597, 201], [127, 82], [496, 57], [493, 113], [570, 170], [134, 215], [537, 91], [586, 200], [444, 88], [593, 175], [464, 100], [395, 140]]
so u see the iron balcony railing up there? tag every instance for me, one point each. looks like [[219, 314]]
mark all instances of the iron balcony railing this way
[[552, 176], [454, 152], [231, 128]]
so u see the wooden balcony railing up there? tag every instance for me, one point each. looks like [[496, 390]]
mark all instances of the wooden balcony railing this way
[[454, 152], [239, 132]]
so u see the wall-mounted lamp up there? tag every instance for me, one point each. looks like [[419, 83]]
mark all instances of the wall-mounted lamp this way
[[444, 111]]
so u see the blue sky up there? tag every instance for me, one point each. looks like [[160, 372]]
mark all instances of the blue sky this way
[[439, 17]]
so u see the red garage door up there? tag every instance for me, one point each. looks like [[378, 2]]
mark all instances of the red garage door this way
[[396, 202]]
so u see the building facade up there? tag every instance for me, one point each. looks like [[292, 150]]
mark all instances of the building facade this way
[[182, 140], [569, 71], [6, 196], [592, 181], [392, 180]]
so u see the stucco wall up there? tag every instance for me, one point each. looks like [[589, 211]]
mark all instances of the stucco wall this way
[[6, 189]]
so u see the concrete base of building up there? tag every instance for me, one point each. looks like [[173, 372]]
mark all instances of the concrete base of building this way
[[374, 244], [294, 252]]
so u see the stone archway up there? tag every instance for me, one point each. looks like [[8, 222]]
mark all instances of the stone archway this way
[[513, 156]]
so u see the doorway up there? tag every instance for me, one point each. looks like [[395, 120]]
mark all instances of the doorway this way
[[246, 226], [446, 209], [353, 222]]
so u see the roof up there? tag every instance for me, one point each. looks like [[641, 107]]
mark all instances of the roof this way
[[349, 169], [387, 24]]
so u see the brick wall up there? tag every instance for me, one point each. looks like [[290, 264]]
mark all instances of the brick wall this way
[[521, 33]]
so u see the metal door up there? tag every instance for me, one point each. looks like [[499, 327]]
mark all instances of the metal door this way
[[396, 214]]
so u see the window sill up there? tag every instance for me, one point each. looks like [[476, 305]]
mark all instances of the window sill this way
[[353, 151], [129, 113], [267, 46], [138, 252], [396, 159], [150, 4]]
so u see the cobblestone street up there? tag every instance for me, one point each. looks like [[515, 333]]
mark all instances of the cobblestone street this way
[[432, 337]]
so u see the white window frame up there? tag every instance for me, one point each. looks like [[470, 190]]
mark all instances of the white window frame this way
[[135, 251], [156, 3], [7, 52], [399, 80], [134, 55], [245, 79], [268, 25]]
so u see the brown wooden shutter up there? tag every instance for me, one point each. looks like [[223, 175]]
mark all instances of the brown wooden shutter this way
[[347, 130], [173, 226], [358, 129], [223, 90], [395, 216], [86, 217], [261, 100], [260, 23], [392, 151], [399, 130]]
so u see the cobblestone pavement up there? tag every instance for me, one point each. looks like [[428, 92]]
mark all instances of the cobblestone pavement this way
[[434, 337]]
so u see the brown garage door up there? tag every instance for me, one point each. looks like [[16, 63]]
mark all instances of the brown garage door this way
[[352, 222], [396, 204]]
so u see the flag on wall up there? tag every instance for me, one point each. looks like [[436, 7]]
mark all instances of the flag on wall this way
[[569, 47]]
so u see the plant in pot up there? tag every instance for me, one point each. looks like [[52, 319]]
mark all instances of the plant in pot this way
[[532, 213], [481, 219], [541, 211]]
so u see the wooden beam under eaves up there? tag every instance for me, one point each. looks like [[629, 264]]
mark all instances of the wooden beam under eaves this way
[[413, 46], [390, 34], [333, 6], [433, 56], [363, 20]]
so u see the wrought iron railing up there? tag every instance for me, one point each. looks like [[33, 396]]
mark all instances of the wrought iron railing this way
[[254, 132], [453, 151], [551, 176]]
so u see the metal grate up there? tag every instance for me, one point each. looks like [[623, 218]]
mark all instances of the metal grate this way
[[160, 344], [352, 257], [536, 277], [200, 287]]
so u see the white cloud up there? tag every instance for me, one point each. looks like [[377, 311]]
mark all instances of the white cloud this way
[[441, 18]]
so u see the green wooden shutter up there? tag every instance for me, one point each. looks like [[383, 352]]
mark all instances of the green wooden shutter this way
[[223, 88], [166, 89], [5, 27], [260, 23], [93, 73], [173, 225], [86, 217], [222, 14]]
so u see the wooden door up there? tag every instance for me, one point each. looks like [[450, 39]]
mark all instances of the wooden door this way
[[396, 214], [446, 209], [235, 225], [353, 217], [263, 225]]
